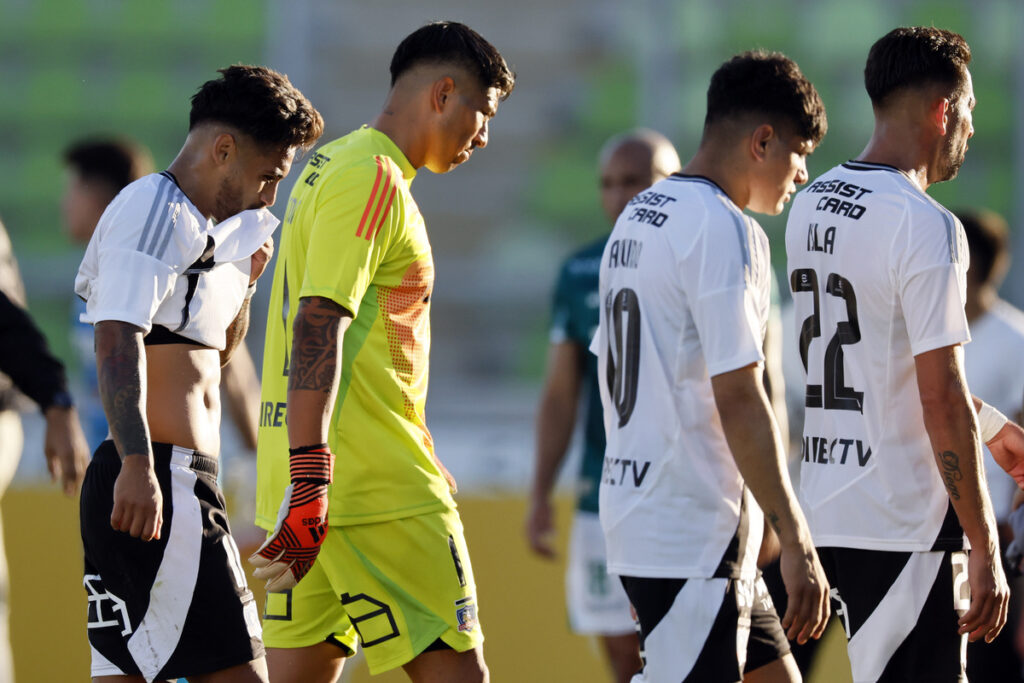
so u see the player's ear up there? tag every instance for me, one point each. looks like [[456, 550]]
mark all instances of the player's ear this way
[[223, 148], [759, 140], [938, 114], [441, 93]]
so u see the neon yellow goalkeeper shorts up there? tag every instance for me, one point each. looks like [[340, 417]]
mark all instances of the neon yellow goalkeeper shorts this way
[[394, 587]]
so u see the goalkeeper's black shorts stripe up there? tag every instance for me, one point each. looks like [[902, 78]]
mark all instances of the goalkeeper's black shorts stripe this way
[[168, 608]]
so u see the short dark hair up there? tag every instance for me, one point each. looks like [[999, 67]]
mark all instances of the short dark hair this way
[[916, 56], [452, 42], [114, 162], [989, 243], [261, 103], [767, 83]]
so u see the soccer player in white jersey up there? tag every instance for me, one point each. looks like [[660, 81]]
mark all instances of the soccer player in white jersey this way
[[891, 476], [684, 285], [167, 278]]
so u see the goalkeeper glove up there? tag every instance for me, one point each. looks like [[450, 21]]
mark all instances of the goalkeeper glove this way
[[288, 554]]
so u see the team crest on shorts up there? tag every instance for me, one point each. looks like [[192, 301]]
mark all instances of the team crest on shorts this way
[[465, 613]]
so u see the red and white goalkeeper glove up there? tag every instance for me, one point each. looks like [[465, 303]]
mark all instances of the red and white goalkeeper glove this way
[[289, 552]]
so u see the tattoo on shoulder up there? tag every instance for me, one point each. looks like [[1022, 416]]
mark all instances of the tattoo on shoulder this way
[[315, 346], [951, 472]]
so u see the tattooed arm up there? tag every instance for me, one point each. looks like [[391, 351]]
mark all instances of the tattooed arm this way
[[315, 368], [953, 430], [121, 368]]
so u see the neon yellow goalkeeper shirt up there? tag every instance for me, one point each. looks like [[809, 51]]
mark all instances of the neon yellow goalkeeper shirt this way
[[353, 234]]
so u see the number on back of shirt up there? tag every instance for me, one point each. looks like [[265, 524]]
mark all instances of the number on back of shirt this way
[[832, 393], [622, 311]]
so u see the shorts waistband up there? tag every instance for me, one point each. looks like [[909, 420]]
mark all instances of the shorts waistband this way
[[166, 454]]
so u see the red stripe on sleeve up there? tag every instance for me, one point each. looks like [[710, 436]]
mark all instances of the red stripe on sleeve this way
[[387, 208], [380, 203], [373, 195]]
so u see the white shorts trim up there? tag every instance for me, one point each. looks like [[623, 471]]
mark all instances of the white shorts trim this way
[[672, 648], [156, 637], [897, 614], [596, 601], [101, 666]]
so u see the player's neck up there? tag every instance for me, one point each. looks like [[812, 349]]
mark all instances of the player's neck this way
[[189, 179], [898, 144], [719, 166]]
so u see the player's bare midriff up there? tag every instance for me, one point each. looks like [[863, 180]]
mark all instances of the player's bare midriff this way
[[183, 396]]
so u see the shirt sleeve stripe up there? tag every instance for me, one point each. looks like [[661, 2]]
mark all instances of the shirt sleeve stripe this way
[[172, 221], [380, 202], [157, 201], [387, 208], [373, 195]]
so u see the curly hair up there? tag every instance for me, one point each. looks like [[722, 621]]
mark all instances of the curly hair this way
[[261, 103], [916, 56], [767, 83], [452, 42]]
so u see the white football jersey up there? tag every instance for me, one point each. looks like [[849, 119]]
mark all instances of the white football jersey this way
[[877, 271], [996, 336], [154, 259], [685, 291]]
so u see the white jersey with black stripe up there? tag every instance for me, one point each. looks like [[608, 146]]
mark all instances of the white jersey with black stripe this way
[[154, 259], [877, 270], [685, 292]]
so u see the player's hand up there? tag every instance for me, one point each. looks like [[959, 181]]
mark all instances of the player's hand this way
[[540, 528], [67, 454], [807, 588], [990, 595], [138, 503], [290, 551], [1007, 448], [258, 261]]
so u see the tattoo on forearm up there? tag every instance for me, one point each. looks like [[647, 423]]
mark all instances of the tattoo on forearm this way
[[773, 519], [951, 472], [121, 388], [315, 345]]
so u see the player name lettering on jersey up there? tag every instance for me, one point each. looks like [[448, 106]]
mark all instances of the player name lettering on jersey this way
[[825, 451], [623, 471], [624, 253], [821, 240]]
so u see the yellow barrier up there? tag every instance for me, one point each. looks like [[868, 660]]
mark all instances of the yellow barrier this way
[[522, 607]]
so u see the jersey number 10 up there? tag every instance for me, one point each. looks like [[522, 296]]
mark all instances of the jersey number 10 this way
[[622, 313]]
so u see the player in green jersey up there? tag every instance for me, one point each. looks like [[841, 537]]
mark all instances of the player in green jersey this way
[[345, 373]]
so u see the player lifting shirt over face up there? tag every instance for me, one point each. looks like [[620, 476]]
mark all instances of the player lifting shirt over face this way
[[167, 279], [693, 452]]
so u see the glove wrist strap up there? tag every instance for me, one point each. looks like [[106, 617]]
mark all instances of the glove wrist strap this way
[[311, 464]]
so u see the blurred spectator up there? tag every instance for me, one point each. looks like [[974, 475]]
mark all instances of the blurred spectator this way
[[997, 329], [97, 170], [31, 368]]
